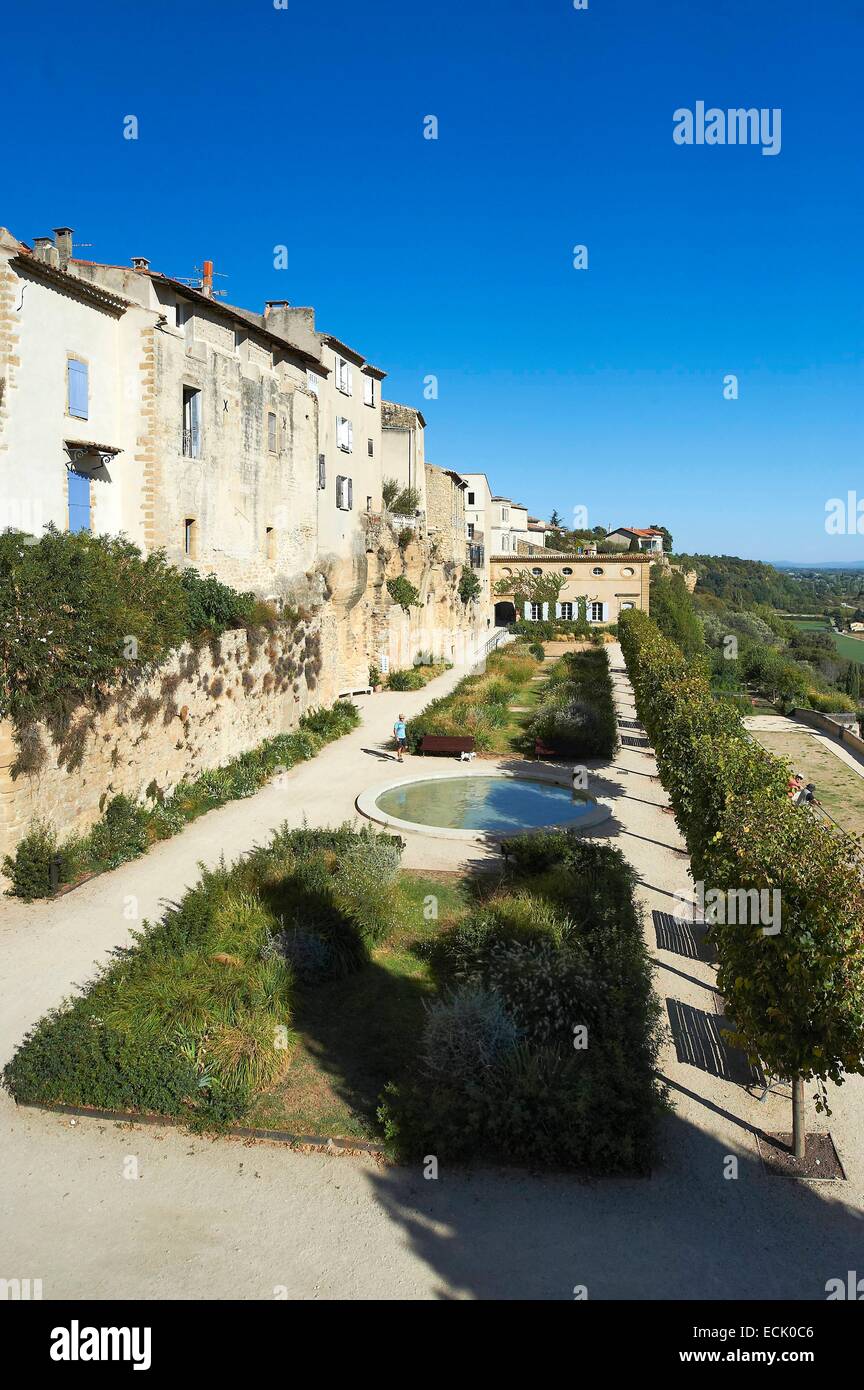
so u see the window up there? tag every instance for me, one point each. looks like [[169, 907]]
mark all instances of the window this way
[[190, 538], [79, 501], [626, 605], [344, 376], [344, 494], [270, 544], [368, 504], [628, 570], [191, 422], [536, 612], [312, 381], [505, 542], [537, 570], [597, 612], [181, 314], [470, 499], [598, 569], [566, 570], [370, 447], [505, 513], [271, 432], [322, 471], [77, 388], [368, 390], [567, 612], [344, 434], [470, 530]]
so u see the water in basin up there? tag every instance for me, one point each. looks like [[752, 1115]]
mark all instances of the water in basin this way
[[485, 803]]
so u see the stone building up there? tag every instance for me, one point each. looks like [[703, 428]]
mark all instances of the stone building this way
[[250, 445], [609, 584]]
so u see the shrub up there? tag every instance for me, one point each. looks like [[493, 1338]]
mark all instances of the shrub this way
[[561, 946], [466, 1034], [29, 868], [536, 649], [406, 680], [577, 717], [469, 586], [81, 613], [403, 592]]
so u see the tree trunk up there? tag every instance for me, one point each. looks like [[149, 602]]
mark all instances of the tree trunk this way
[[798, 1118]]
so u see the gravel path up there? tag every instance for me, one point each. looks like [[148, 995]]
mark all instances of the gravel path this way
[[232, 1219]]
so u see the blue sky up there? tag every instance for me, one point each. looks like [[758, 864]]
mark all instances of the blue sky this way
[[600, 388]]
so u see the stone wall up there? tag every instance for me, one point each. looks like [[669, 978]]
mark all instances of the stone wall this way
[[200, 710]]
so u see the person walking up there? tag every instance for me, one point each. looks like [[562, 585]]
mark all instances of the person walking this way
[[400, 733]]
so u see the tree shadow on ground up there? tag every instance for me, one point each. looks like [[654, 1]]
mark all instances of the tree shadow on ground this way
[[690, 1231]]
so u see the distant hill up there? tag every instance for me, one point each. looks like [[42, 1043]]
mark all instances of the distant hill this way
[[822, 565]]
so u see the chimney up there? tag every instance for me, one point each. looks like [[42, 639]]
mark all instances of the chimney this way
[[140, 263], [63, 242], [295, 324], [45, 250], [207, 279]]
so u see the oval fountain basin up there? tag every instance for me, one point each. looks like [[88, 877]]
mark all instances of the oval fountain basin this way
[[485, 803]]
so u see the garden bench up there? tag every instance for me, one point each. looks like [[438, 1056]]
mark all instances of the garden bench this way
[[446, 743]]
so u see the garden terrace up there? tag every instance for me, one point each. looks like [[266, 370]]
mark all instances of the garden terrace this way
[[315, 988]]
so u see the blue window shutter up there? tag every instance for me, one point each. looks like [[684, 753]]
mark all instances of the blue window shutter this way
[[79, 502], [77, 377]]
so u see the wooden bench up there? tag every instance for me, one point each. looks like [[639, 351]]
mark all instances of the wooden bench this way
[[445, 743]]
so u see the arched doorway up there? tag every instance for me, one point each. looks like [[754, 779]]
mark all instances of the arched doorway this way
[[505, 613]]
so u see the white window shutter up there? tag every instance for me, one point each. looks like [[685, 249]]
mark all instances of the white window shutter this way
[[350, 493], [545, 611], [349, 375], [350, 434], [557, 610], [605, 612], [527, 610]]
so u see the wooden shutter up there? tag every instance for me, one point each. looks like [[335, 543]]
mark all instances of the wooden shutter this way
[[350, 433], [78, 388], [79, 501], [605, 612], [322, 471], [527, 610], [558, 610], [350, 493], [545, 611]]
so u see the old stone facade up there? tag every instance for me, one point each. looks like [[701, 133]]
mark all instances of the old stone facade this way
[[609, 584]]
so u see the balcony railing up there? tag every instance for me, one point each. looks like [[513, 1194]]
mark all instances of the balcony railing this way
[[192, 444]]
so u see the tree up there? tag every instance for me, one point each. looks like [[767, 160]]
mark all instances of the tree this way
[[672, 608], [556, 521], [667, 536]]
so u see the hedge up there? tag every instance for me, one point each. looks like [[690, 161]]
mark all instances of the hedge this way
[[499, 1073], [797, 996], [577, 715]]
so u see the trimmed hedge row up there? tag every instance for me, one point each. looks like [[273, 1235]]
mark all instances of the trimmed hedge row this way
[[577, 716], [797, 996], [504, 1071]]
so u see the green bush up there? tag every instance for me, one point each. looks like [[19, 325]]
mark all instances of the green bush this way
[[536, 649], [411, 679], [498, 1075], [187, 1022], [403, 592], [29, 868], [796, 994], [80, 614], [577, 717]]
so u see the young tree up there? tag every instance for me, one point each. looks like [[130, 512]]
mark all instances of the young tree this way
[[797, 996]]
